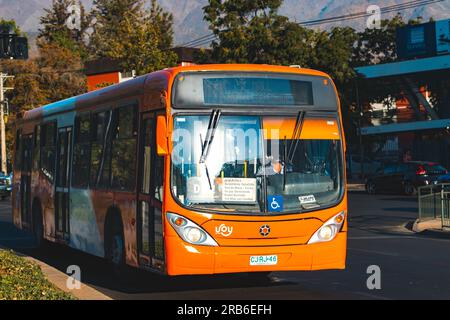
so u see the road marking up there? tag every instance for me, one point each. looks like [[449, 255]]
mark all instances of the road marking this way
[[382, 237], [376, 252], [418, 237]]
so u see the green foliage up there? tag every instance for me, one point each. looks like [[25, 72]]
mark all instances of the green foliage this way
[[55, 75], [376, 46], [55, 30], [254, 32], [24, 280], [12, 24], [126, 32]]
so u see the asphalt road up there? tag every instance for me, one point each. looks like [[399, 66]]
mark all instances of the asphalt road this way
[[412, 266]]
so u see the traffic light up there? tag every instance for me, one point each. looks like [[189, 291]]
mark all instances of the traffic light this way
[[20, 48], [11, 45], [5, 46]]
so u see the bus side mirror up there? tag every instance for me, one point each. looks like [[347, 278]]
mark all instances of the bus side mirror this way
[[161, 136]]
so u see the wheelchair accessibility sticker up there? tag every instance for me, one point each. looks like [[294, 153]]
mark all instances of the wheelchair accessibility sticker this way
[[275, 203]]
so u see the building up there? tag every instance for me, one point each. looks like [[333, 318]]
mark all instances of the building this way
[[406, 104], [105, 72]]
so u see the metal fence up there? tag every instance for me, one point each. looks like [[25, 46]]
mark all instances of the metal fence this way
[[434, 203]]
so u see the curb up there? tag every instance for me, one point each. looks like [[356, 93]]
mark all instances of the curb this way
[[356, 187], [420, 226], [432, 228], [59, 279]]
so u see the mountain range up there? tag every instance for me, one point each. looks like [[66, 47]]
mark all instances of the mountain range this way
[[188, 14]]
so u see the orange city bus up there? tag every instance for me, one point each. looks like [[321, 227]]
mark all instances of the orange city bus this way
[[203, 169]]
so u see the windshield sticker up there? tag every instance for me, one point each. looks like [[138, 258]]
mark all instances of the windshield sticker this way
[[307, 199], [275, 203], [239, 190], [198, 190]]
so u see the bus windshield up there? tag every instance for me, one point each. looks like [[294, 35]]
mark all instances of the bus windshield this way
[[256, 164]]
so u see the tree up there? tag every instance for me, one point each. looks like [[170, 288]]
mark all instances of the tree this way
[[65, 24], [61, 72], [163, 24], [247, 31], [378, 45], [12, 25], [27, 93], [253, 32], [136, 37]]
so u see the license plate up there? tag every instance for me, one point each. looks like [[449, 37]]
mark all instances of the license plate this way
[[263, 260]]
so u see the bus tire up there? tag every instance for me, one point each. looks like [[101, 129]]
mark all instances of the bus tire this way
[[38, 226], [371, 188], [115, 244]]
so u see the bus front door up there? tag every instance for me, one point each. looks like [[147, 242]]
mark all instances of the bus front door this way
[[62, 195], [25, 181], [149, 211]]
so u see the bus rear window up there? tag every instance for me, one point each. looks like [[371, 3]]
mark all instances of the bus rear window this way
[[212, 89]]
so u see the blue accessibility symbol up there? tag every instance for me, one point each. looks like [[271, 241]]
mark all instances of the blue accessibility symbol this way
[[275, 203]]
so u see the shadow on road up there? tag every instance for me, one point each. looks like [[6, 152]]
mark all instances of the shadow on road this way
[[97, 272]]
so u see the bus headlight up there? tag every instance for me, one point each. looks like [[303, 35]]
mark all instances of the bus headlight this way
[[190, 231], [329, 230]]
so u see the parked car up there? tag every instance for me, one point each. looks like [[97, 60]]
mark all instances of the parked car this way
[[355, 166], [404, 177], [445, 178], [5, 186]]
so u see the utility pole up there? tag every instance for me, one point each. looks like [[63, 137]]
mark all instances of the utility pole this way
[[3, 89]]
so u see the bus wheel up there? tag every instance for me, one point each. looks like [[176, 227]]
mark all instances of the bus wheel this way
[[371, 188], [38, 228], [115, 248]]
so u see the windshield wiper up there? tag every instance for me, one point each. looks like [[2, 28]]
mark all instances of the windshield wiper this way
[[206, 145], [206, 167], [212, 126], [296, 135]]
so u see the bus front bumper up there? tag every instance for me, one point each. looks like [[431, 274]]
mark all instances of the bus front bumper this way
[[186, 259]]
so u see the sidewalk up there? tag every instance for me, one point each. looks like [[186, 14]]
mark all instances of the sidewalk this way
[[59, 279], [357, 185], [13, 239]]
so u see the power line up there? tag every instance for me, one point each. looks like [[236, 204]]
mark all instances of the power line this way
[[400, 7], [195, 40], [205, 39]]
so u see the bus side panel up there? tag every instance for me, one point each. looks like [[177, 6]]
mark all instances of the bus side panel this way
[[102, 202], [84, 231], [15, 198], [45, 191]]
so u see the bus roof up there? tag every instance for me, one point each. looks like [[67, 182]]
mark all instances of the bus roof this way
[[137, 85], [247, 67]]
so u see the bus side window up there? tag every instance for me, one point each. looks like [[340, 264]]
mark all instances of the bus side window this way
[[81, 152], [48, 150], [124, 144], [99, 124], [159, 178], [18, 154], [37, 148]]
